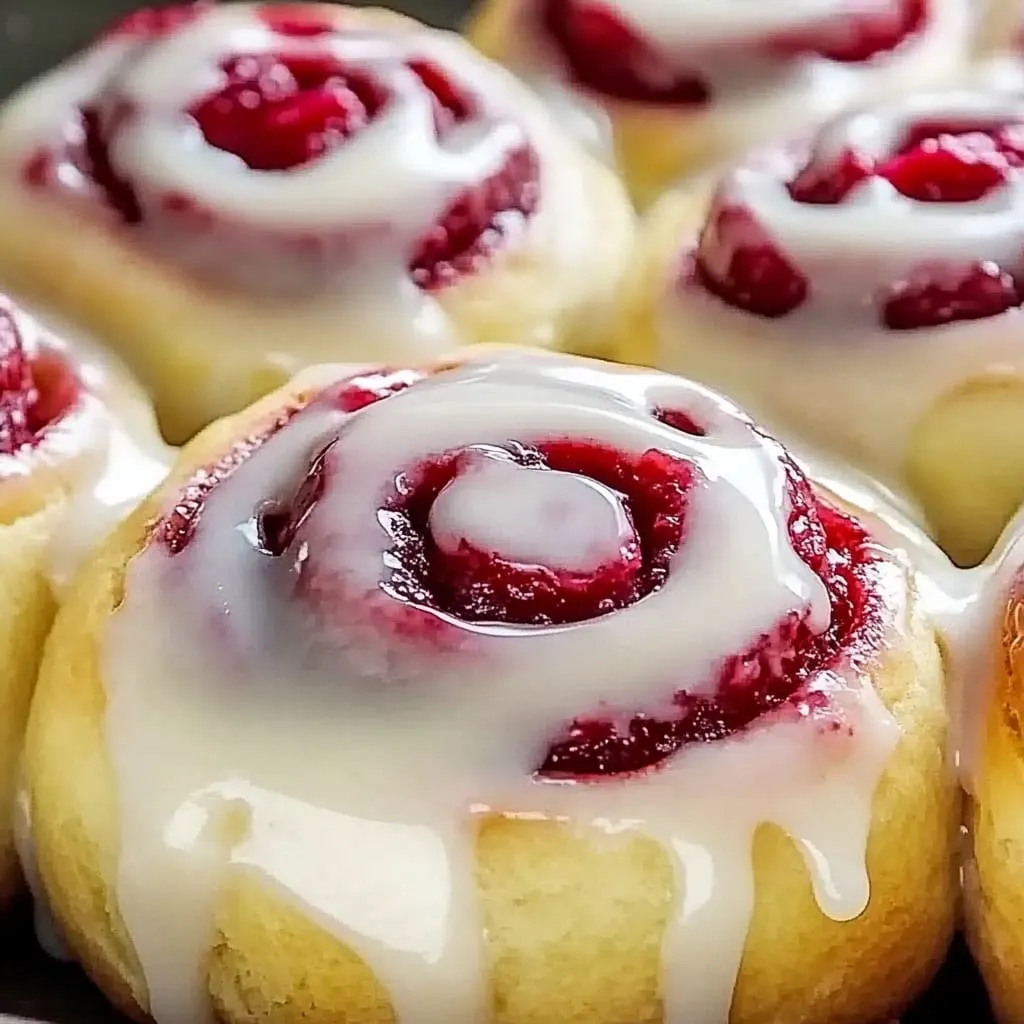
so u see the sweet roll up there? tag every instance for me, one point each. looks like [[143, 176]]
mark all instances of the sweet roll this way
[[226, 193]]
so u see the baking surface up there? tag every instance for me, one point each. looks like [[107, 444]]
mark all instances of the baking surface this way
[[35, 34]]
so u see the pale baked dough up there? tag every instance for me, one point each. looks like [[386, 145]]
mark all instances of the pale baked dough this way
[[270, 963], [1000, 24], [994, 877]]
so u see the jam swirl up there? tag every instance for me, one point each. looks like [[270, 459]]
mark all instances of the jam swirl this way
[[38, 387], [525, 510], [263, 146]]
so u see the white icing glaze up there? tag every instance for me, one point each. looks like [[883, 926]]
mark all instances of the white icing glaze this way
[[47, 931], [555, 519], [965, 605], [288, 235], [358, 795]]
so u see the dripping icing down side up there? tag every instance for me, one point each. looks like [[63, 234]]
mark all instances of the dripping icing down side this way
[[47, 931], [266, 790]]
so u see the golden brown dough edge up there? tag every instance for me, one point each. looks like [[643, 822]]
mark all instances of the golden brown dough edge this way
[[26, 615], [269, 963], [994, 877]]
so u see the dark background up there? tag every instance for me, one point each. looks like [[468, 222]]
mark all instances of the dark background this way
[[34, 35]]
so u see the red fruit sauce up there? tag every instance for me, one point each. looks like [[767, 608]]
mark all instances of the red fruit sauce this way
[[937, 162], [35, 393], [608, 56], [282, 110], [655, 487]]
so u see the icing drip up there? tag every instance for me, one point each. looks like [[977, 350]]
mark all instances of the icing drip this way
[[966, 605], [385, 689], [47, 931]]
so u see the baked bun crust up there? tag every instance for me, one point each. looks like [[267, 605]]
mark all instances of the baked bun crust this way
[[657, 140], [270, 960], [885, 350], [1000, 26], [74, 429], [215, 299], [993, 879]]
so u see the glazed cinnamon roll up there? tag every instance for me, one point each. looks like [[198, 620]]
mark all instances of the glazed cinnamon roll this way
[[77, 442], [861, 293], [679, 87], [520, 688], [227, 193]]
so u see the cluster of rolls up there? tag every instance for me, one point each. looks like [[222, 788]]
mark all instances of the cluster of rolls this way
[[475, 659]]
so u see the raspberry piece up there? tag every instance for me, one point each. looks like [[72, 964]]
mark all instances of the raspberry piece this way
[[679, 420], [477, 222], [860, 36], [827, 185], [949, 168], [740, 265], [278, 111], [938, 161], [982, 291], [605, 55], [771, 674], [34, 393]]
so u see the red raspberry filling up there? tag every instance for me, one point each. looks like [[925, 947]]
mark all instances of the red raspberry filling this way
[[740, 264], [655, 487], [35, 393], [773, 672], [605, 54], [480, 586], [177, 528], [278, 112], [860, 36], [936, 163]]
